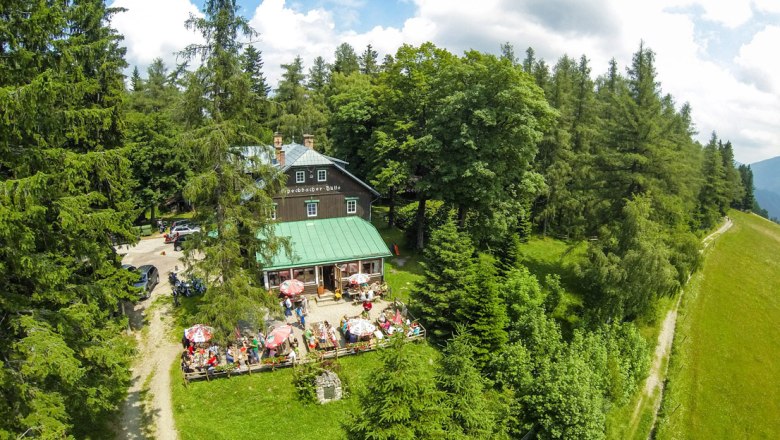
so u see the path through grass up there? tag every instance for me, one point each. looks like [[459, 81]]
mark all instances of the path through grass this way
[[723, 376]]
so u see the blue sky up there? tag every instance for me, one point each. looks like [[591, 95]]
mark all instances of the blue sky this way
[[718, 55]]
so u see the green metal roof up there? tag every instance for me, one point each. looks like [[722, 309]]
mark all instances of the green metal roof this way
[[331, 240]]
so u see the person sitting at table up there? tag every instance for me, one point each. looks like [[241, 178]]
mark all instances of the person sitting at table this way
[[229, 355], [211, 363], [186, 365], [334, 336], [414, 330]]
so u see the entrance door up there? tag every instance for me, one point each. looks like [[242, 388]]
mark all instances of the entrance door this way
[[328, 278]]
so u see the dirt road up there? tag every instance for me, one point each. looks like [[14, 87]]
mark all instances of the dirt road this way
[[654, 385], [148, 411]]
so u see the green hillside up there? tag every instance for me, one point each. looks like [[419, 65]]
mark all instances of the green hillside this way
[[724, 370]]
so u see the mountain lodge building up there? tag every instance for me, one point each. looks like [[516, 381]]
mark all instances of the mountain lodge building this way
[[325, 211]]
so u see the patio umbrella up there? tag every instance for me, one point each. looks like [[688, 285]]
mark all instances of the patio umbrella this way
[[291, 287], [398, 319], [199, 333], [360, 327], [278, 336], [358, 278]]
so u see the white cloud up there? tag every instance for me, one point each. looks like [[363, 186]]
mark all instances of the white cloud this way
[[727, 95], [760, 66], [154, 28]]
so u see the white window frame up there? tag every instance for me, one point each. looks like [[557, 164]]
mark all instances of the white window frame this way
[[308, 210], [324, 175], [300, 177], [352, 202]]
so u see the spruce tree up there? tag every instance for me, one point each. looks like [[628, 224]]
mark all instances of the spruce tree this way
[[252, 64], [64, 173], [160, 166], [346, 62], [714, 195], [748, 199], [230, 205], [319, 75], [368, 61], [471, 415], [482, 312], [401, 401], [448, 274]]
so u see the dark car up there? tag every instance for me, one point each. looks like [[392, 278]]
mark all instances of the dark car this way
[[149, 278], [178, 244]]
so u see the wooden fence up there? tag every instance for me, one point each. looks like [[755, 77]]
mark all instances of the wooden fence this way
[[280, 362]]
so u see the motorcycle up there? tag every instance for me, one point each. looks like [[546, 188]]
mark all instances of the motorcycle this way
[[195, 286]]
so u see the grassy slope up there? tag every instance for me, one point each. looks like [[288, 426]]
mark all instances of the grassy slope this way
[[723, 379], [544, 256], [266, 405]]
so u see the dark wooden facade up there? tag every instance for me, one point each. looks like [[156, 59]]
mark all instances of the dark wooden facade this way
[[331, 196]]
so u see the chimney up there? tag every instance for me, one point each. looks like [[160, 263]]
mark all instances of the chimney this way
[[278, 149], [308, 141]]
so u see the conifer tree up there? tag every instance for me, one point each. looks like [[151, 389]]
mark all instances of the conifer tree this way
[[471, 416], [64, 173], [368, 61], [714, 195], [508, 53], [230, 205], [346, 62], [748, 199], [319, 75], [401, 402], [252, 64], [482, 312], [448, 275], [159, 165]]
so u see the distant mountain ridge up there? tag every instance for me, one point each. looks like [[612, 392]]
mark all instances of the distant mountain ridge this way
[[766, 179]]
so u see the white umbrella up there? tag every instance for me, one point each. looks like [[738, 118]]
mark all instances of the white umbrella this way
[[358, 278], [360, 327]]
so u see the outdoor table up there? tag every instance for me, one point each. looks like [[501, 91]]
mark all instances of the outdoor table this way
[[319, 336]]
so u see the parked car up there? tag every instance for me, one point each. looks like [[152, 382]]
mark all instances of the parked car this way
[[179, 223], [178, 243], [180, 230], [150, 276], [129, 267]]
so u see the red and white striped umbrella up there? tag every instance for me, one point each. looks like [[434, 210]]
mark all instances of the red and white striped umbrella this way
[[199, 333], [291, 287]]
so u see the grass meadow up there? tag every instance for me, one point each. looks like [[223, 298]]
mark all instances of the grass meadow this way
[[724, 376], [266, 405]]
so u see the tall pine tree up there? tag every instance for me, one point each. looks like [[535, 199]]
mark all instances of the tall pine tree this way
[[230, 205]]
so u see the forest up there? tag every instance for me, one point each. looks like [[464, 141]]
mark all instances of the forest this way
[[473, 154]]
